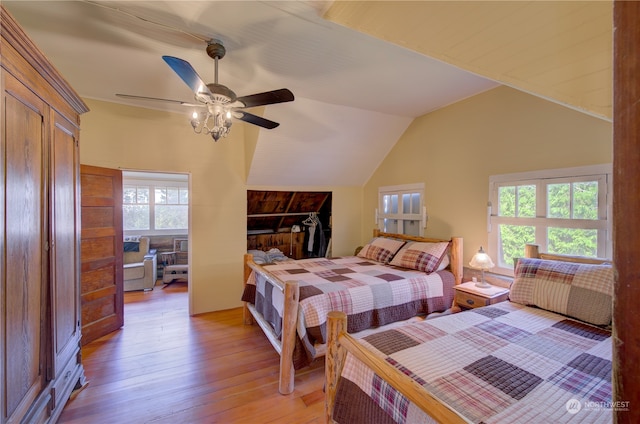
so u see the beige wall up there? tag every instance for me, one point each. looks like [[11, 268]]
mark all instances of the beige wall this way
[[454, 151], [116, 136]]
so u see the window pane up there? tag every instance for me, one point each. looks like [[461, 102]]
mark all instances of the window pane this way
[[507, 201], [512, 241], [411, 228], [160, 195], [585, 200], [406, 203], [527, 201], [135, 217], [390, 203], [184, 196], [169, 217], [390, 225], [129, 195], [172, 195], [573, 241], [143, 195], [415, 202], [559, 201]]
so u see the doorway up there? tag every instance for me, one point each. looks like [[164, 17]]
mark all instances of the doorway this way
[[156, 206]]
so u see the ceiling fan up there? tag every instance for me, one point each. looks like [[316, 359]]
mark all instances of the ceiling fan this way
[[217, 103]]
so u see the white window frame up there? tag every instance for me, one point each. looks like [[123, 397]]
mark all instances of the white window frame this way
[[153, 180], [601, 173], [401, 216]]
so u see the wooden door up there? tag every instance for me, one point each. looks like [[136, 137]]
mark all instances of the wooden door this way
[[101, 252]]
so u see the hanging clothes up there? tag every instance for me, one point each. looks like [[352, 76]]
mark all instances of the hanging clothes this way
[[314, 239], [319, 243]]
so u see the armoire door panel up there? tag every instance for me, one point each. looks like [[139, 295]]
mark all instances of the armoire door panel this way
[[24, 272], [65, 255]]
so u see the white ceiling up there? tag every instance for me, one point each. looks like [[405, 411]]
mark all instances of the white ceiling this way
[[355, 94]]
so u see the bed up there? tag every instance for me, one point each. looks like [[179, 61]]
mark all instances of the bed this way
[[391, 279], [542, 356]]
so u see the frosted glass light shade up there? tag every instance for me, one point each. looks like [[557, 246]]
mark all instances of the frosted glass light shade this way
[[481, 260]]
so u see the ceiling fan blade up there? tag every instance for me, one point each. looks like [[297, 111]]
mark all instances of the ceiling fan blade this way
[[189, 75], [255, 120], [267, 98], [156, 99]]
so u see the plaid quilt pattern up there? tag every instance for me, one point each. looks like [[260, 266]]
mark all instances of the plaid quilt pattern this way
[[582, 291], [514, 376], [370, 293]]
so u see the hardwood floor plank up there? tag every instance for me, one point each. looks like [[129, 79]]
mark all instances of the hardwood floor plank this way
[[164, 366]]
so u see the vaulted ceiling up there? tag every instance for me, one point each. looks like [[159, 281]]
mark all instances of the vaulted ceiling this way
[[360, 71], [559, 50]]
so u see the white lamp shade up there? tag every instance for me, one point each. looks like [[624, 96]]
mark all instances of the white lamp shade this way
[[481, 260]]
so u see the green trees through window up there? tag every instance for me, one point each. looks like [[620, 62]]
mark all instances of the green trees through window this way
[[153, 202], [565, 215]]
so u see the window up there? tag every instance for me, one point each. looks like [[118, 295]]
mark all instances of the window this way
[[401, 209], [565, 211], [155, 203]]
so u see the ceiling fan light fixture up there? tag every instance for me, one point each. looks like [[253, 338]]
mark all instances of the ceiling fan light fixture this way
[[216, 121], [218, 104]]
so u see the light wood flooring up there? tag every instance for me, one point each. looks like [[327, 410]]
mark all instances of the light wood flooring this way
[[164, 366]]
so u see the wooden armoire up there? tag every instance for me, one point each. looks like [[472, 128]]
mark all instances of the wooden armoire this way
[[40, 245]]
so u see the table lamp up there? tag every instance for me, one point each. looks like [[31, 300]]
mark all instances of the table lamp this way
[[481, 261]]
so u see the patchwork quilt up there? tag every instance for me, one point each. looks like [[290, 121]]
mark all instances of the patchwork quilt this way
[[370, 293], [506, 363]]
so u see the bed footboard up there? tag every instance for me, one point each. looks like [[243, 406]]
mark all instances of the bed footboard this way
[[286, 343], [341, 343]]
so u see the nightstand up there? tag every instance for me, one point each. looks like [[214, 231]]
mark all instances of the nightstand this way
[[469, 296]]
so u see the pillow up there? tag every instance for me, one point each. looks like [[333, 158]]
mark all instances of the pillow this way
[[380, 249], [275, 255], [581, 291], [422, 256], [259, 256]]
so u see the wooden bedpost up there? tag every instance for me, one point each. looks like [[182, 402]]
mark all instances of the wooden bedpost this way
[[456, 258], [247, 318], [290, 319], [531, 251], [334, 359]]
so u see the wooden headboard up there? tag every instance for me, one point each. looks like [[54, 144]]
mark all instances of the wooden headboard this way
[[533, 251]]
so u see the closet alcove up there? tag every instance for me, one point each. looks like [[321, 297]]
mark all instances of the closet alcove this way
[[298, 223]]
